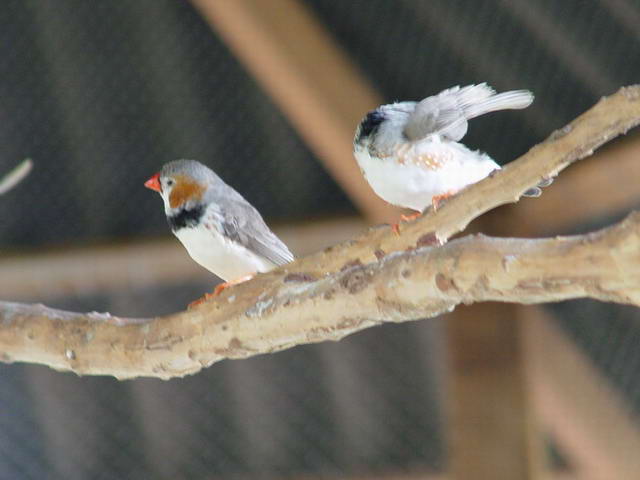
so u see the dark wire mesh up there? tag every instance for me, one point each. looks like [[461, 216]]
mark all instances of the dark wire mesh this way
[[367, 404], [101, 94]]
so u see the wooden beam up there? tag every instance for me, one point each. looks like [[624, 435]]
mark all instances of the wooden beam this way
[[593, 426], [315, 85], [51, 274], [491, 433], [296, 61]]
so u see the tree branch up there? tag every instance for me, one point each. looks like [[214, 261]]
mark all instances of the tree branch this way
[[376, 278], [15, 176], [260, 317]]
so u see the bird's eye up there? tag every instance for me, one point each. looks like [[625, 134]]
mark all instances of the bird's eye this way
[[169, 182]]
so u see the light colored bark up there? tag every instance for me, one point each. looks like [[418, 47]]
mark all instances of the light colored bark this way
[[378, 277], [278, 311]]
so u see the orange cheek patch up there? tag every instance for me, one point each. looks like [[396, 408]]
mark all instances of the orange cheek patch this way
[[184, 189]]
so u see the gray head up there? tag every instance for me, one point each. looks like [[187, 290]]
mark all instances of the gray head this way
[[192, 168], [185, 184]]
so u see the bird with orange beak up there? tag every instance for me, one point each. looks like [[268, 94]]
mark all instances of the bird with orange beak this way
[[221, 230]]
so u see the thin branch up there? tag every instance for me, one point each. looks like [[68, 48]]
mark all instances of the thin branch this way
[[378, 277], [15, 176]]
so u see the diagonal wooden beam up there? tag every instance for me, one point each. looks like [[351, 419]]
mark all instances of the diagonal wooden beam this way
[[491, 431], [585, 415], [308, 76]]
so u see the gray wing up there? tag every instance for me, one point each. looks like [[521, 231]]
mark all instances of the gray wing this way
[[448, 112], [438, 114], [244, 224]]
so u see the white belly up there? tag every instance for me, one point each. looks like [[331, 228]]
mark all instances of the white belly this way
[[426, 169], [226, 259]]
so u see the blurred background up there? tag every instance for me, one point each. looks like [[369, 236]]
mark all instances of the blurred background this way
[[268, 94]]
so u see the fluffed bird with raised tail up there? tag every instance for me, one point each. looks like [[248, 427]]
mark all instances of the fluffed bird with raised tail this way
[[221, 230], [410, 154]]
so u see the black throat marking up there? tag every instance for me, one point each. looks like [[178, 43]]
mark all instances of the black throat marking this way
[[186, 218], [370, 124]]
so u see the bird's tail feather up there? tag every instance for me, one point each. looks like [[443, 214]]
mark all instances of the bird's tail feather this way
[[513, 100], [471, 94]]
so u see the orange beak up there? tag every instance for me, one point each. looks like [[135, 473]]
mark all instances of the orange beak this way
[[154, 183]]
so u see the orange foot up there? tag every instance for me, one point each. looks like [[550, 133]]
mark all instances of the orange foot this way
[[435, 201], [219, 288], [409, 218], [404, 218]]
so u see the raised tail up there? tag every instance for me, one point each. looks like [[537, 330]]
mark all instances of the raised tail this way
[[447, 113], [512, 100]]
